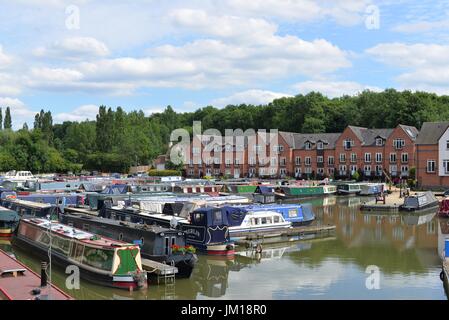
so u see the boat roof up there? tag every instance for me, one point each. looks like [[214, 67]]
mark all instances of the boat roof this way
[[30, 203], [263, 213], [106, 221], [77, 234], [271, 206]]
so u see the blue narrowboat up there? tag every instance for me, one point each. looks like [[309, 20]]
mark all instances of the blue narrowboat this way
[[206, 228], [297, 214], [71, 200]]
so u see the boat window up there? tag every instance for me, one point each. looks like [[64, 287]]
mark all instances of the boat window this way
[[120, 236], [60, 244], [142, 241], [264, 220], [269, 220], [253, 222], [173, 241], [292, 213], [276, 219], [98, 258], [167, 246], [217, 218], [198, 218]]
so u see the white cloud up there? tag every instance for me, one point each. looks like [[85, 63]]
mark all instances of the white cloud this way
[[421, 26], [228, 27], [5, 60], [426, 66], [74, 48], [254, 96], [155, 109], [345, 12], [333, 88], [82, 113], [20, 113]]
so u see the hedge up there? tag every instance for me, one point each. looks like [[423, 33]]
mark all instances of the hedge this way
[[163, 173]]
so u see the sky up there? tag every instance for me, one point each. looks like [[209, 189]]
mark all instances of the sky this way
[[72, 56]]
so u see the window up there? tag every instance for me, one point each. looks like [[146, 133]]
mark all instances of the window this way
[[297, 172], [283, 161], [252, 161], [398, 143], [431, 164], [404, 170], [298, 161], [217, 148], [348, 144], [273, 161], [392, 157], [353, 157], [98, 258], [404, 157], [393, 170], [319, 159], [228, 147], [228, 162], [308, 145], [379, 142], [191, 172], [342, 157], [447, 144], [237, 162], [379, 170], [367, 157], [308, 170], [320, 171], [283, 171], [217, 218], [320, 145], [308, 161], [367, 170], [330, 171], [378, 157], [446, 166], [330, 160]]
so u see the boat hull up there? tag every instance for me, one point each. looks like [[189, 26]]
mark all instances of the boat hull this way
[[112, 281]]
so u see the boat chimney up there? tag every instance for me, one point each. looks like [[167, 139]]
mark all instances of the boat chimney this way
[[43, 274]]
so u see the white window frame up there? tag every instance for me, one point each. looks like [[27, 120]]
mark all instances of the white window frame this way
[[446, 166], [429, 162], [298, 161], [330, 160], [308, 145], [342, 157], [353, 157], [381, 142], [393, 157], [379, 157], [319, 159], [320, 145], [308, 161], [367, 157]]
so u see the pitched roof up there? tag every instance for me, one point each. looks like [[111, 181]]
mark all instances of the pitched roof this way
[[329, 139], [431, 132], [369, 135], [288, 137], [411, 131]]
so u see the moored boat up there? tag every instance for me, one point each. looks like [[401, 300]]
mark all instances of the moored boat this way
[[243, 222], [9, 220], [206, 228], [349, 188], [297, 214], [419, 201], [293, 191], [100, 260], [372, 189], [156, 243]]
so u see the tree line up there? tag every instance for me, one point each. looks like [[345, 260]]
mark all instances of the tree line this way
[[116, 139]]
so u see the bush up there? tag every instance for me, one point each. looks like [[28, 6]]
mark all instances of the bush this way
[[356, 176], [163, 173]]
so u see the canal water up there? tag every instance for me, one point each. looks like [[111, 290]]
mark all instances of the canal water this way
[[369, 256]]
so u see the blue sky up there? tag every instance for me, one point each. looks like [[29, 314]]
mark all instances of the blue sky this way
[[72, 56]]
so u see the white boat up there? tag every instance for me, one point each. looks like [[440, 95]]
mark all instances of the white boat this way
[[19, 176], [260, 221]]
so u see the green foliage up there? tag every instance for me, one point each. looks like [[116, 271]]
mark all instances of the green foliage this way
[[356, 176], [163, 173], [8, 122]]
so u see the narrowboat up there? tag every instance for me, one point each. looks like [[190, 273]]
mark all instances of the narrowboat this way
[[100, 260], [9, 219], [419, 201], [206, 228], [242, 222], [297, 214], [294, 191], [64, 199], [95, 200], [156, 243], [241, 188], [210, 189], [18, 282], [443, 211], [349, 188], [265, 194], [372, 189], [30, 208]]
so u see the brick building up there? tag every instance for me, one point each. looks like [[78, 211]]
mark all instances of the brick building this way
[[432, 155], [289, 154]]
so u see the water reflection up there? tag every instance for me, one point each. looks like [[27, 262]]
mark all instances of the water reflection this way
[[405, 247]]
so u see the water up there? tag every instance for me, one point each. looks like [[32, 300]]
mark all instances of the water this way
[[404, 248]]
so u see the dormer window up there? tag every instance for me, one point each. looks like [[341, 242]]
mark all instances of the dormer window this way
[[308, 145], [320, 145], [379, 142], [348, 144]]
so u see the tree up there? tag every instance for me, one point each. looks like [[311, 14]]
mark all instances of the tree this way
[[1, 119], [25, 126], [8, 121]]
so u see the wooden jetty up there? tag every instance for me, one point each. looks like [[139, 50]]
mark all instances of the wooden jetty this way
[[289, 234], [18, 282], [159, 270], [391, 203]]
